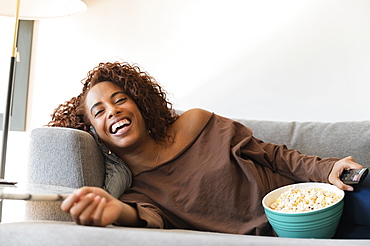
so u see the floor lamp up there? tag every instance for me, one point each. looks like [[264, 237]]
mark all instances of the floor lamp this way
[[30, 10]]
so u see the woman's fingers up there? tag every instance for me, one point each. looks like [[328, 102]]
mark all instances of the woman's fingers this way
[[78, 209], [86, 216], [97, 217], [68, 203], [338, 168], [88, 206], [349, 163]]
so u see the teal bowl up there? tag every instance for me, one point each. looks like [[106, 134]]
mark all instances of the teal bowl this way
[[320, 223]]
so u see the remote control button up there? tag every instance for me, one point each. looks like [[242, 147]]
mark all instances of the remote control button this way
[[356, 177]]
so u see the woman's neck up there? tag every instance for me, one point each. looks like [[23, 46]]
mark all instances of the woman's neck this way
[[144, 158]]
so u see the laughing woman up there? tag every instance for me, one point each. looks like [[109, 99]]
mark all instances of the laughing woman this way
[[195, 171]]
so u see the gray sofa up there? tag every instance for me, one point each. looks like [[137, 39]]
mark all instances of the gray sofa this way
[[71, 158]]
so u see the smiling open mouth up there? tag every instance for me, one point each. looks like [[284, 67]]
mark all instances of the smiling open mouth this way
[[119, 125]]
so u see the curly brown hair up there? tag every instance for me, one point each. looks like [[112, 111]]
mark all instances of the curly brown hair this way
[[148, 95]]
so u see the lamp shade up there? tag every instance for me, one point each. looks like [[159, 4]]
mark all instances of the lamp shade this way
[[39, 9]]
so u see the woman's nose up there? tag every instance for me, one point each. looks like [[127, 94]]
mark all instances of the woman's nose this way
[[113, 111]]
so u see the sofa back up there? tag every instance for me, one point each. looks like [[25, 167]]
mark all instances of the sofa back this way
[[339, 139]]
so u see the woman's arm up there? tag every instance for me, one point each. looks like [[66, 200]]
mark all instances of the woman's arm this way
[[94, 206], [294, 165]]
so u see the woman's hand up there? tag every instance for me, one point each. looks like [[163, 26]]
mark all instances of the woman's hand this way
[[92, 206], [338, 168]]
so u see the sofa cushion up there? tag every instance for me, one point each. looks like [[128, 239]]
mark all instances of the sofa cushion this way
[[65, 233]]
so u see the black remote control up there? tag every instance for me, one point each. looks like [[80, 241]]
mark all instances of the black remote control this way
[[354, 176]]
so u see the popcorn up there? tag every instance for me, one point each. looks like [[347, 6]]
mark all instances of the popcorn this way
[[295, 200]]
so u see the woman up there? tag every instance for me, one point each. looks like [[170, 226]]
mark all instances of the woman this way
[[195, 171]]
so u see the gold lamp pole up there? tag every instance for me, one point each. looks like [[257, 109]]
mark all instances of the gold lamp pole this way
[[6, 118]]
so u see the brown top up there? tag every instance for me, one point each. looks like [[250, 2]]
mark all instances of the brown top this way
[[217, 182]]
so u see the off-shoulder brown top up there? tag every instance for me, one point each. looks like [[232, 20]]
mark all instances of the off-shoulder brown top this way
[[217, 182]]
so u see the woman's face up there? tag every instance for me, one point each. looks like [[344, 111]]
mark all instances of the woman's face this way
[[115, 117]]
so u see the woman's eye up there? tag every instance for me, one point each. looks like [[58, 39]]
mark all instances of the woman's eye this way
[[121, 100], [98, 113]]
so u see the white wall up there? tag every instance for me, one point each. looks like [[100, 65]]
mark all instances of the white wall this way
[[275, 60], [302, 60]]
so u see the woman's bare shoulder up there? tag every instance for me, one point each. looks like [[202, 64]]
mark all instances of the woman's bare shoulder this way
[[196, 117], [190, 122], [197, 113]]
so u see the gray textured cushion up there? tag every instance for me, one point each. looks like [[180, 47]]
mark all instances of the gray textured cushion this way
[[45, 210], [53, 233], [64, 157], [338, 139]]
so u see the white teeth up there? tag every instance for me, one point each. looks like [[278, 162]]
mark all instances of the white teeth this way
[[119, 124]]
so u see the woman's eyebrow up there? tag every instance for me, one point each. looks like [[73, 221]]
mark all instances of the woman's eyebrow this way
[[117, 92], [93, 106]]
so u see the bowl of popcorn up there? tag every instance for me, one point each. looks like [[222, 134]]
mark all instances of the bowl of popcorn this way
[[304, 210]]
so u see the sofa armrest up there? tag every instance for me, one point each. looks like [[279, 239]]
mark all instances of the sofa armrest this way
[[61, 157], [64, 157]]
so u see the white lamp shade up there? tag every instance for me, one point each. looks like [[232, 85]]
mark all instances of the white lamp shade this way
[[39, 9]]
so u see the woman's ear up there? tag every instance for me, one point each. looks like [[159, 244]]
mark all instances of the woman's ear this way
[[95, 135], [101, 145], [92, 131]]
